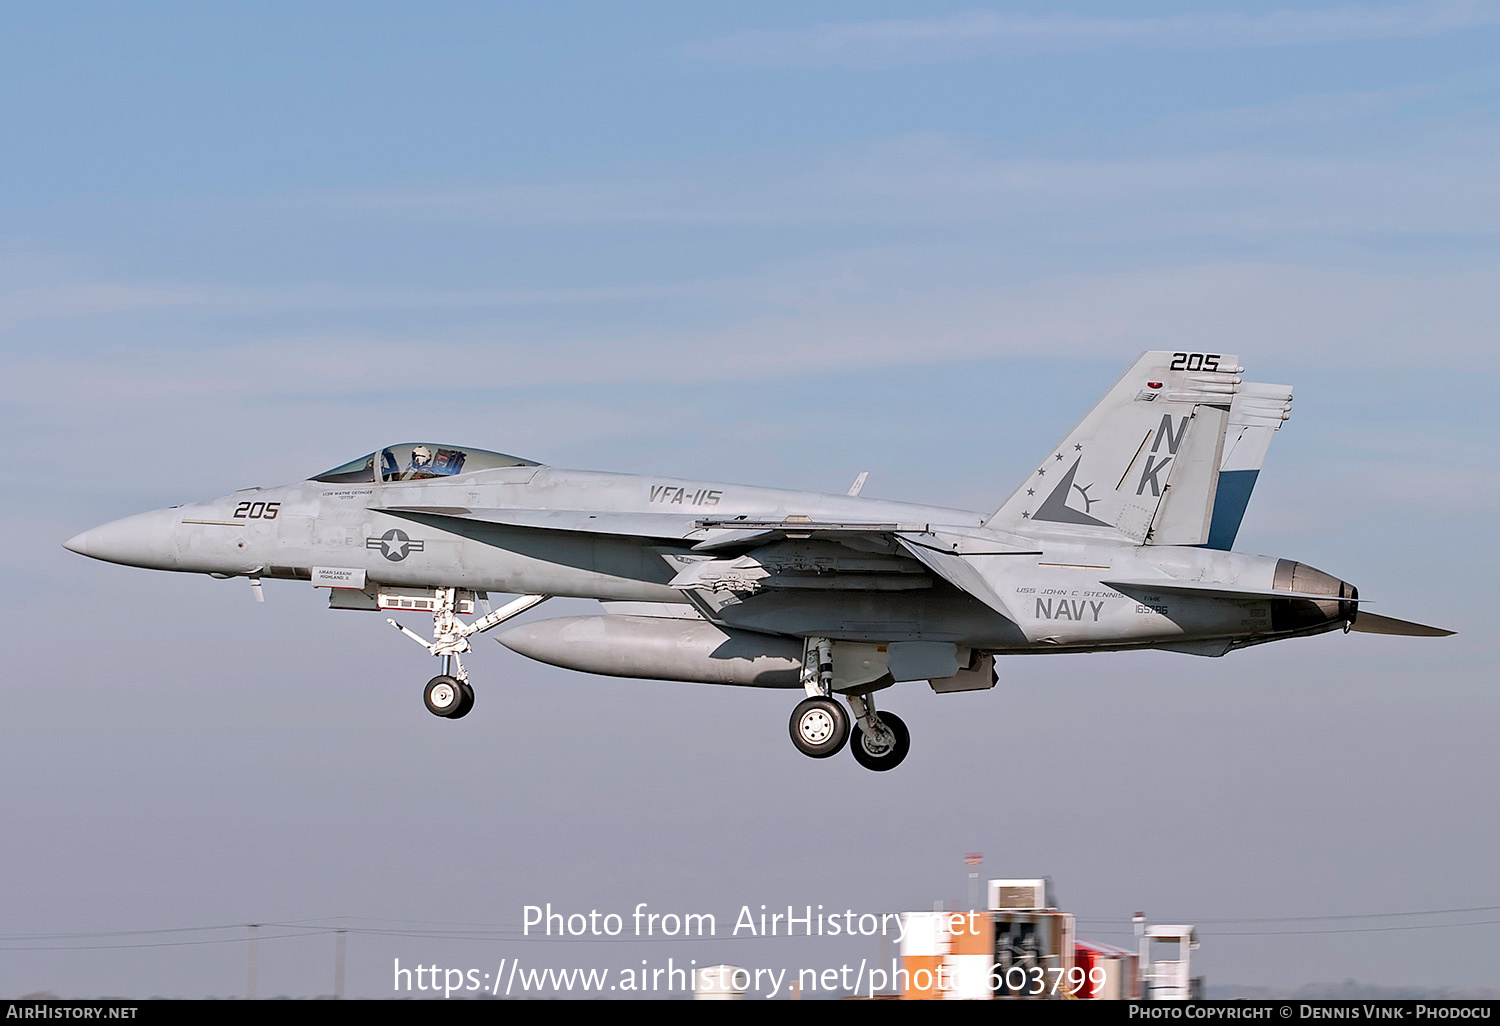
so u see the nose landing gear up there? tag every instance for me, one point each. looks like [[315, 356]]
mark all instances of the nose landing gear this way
[[449, 694]]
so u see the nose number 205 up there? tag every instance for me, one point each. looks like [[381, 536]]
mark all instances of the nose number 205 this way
[[257, 510]]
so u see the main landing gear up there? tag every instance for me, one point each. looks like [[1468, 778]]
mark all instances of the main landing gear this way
[[449, 694], [820, 727]]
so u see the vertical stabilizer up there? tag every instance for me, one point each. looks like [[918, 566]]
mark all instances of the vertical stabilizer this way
[[1158, 432], [1184, 515], [1258, 411]]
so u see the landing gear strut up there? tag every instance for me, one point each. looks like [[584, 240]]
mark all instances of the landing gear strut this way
[[819, 725], [449, 694]]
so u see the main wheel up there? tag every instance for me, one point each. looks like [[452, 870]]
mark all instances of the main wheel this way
[[819, 726], [466, 704], [882, 757], [444, 696]]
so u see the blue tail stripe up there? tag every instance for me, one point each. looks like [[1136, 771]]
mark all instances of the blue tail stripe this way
[[1230, 501]]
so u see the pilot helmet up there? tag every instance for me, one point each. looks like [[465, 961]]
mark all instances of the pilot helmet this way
[[421, 455]]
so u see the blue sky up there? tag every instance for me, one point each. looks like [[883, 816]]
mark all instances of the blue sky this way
[[780, 243]]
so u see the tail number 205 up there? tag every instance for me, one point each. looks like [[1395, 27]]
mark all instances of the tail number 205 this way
[[1195, 361]]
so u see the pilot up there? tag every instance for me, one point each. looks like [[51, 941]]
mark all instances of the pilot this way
[[421, 463]]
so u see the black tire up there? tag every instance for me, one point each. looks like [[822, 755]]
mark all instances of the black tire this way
[[467, 703], [444, 696], [819, 727], [891, 757]]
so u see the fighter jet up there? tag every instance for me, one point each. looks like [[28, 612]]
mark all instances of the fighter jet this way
[[1118, 538]]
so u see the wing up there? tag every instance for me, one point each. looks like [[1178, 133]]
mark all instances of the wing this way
[[726, 558], [658, 526]]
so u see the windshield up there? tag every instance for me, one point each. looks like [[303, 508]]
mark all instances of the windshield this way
[[417, 461]]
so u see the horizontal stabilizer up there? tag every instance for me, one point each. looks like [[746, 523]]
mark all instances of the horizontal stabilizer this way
[[1369, 623], [1209, 589], [960, 573]]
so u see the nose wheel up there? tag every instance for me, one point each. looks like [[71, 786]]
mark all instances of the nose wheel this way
[[448, 697]]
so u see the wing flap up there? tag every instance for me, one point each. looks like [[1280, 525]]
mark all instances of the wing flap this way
[[742, 533]]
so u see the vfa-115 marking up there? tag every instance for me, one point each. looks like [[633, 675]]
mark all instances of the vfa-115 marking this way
[[1118, 538]]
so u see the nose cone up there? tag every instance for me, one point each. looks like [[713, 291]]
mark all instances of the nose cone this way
[[146, 539]]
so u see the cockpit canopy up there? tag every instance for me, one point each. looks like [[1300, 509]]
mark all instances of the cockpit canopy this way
[[417, 461]]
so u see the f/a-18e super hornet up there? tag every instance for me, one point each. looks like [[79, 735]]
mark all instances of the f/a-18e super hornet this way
[[1118, 538]]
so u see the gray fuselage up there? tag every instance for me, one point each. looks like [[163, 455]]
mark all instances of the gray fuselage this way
[[1050, 582]]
